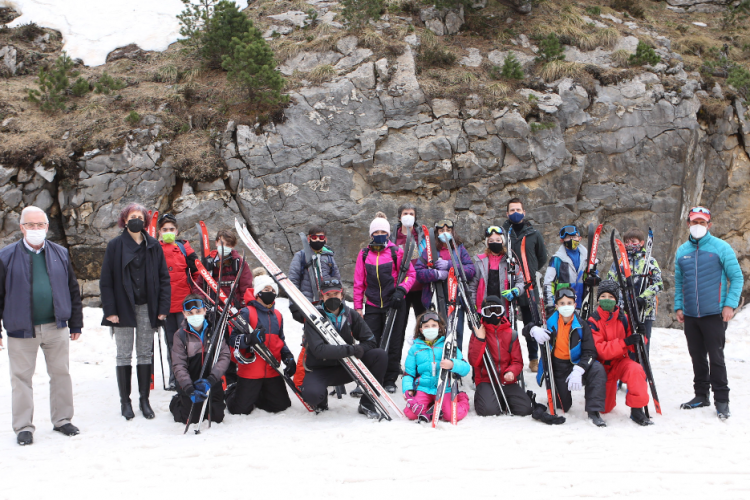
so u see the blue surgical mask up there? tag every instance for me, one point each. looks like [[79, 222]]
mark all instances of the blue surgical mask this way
[[196, 321], [430, 334], [445, 237], [516, 217]]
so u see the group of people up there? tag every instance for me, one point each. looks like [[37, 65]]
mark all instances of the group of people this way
[[147, 283]]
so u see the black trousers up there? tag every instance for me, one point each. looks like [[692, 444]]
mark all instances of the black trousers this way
[[180, 406], [486, 405], [375, 319], [531, 344], [315, 386], [268, 394], [705, 339], [594, 384], [171, 325]]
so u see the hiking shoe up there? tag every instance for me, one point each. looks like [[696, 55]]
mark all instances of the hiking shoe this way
[[638, 416], [25, 438], [597, 419], [722, 410], [368, 412], [699, 401], [67, 429], [533, 365]]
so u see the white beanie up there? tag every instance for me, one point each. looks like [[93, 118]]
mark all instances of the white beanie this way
[[262, 281], [380, 224]]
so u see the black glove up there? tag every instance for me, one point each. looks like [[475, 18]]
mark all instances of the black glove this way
[[631, 340], [397, 298], [258, 336], [592, 280], [208, 263], [356, 350], [641, 303], [550, 310], [291, 367], [296, 312], [212, 380]]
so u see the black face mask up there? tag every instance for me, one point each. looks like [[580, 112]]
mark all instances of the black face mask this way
[[135, 225], [495, 247], [333, 304], [492, 320], [267, 297], [317, 245]]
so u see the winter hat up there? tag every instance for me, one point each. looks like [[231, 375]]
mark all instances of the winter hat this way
[[380, 223], [608, 286], [493, 300], [332, 285], [262, 281]]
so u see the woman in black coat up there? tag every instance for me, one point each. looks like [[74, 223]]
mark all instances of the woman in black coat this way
[[135, 292]]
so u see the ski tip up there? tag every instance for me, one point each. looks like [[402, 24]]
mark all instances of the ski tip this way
[[658, 407]]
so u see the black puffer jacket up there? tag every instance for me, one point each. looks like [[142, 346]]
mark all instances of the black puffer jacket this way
[[116, 284], [319, 354], [536, 252]]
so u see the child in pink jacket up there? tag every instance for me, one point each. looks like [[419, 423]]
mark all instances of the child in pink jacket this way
[[376, 290]]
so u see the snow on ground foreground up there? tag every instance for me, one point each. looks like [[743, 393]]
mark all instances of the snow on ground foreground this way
[[340, 454], [91, 29]]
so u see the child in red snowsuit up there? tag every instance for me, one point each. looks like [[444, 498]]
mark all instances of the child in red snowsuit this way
[[614, 339]]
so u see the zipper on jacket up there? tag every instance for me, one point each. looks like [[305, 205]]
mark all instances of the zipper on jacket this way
[[695, 280], [377, 274]]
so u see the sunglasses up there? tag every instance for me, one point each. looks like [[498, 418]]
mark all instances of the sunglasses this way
[[429, 316], [493, 311], [493, 230], [191, 304], [317, 237], [700, 210], [167, 218], [444, 223], [331, 286], [568, 231]]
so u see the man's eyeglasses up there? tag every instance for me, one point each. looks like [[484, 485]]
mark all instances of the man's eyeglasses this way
[[34, 225]]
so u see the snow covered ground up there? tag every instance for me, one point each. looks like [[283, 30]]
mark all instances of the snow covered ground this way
[[91, 29], [340, 454]]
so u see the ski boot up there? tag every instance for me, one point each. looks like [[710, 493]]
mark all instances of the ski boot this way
[[390, 387], [356, 392], [722, 410], [639, 417], [597, 419], [367, 409], [699, 401]]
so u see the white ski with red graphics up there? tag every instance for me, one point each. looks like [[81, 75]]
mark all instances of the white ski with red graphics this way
[[437, 288], [358, 371], [238, 322], [449, 352], [587, 303]]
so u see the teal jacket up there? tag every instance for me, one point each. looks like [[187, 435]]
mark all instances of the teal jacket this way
[[418, 371], [702, 269]]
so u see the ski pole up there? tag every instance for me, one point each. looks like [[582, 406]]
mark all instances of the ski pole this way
[[161, 359]]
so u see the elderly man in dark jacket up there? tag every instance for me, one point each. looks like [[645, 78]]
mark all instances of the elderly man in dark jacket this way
[[36, 268]]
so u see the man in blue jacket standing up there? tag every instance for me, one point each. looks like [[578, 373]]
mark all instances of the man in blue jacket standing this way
[[703, 301], [41, 270]]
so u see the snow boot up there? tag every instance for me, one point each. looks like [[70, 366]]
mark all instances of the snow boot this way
[[639, 417], [25, 438], [124, 375], [597, 419], [356, 392], [143, 372], [67, 429], [699, 401], [722, 410], [390, 387], [533, 365], [367, 408]]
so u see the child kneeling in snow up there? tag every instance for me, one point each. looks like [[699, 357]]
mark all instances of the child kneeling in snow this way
[[420, 379], [188, 354]]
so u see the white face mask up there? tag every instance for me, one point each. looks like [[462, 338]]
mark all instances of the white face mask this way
[[196, 320], [226, 250], [407, 220], [566, 311], [36, 236], [430, 334], [696, 231]]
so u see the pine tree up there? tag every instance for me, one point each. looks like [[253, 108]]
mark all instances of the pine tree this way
[[512, 68], [359, 12], [251, 65], [225, 23], [550, 49], [52, 84], [644, 54]]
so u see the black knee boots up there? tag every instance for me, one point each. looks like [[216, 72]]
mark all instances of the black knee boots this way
[[124, 374], [144, 388]]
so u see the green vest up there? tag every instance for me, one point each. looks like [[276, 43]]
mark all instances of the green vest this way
[[41, 294]]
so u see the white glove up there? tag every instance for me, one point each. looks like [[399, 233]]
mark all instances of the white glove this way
[[540, 334], [574, 380]]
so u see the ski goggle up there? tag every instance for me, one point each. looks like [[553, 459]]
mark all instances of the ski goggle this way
[[191, 304], [429, 316], [568, 231], [493, 230], [444, 223], [700, 212], [167, 218], [331, 286], [493, 311], [565, 292], [317, 237]]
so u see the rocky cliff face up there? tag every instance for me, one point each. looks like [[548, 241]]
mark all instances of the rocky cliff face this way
[[631, 153]]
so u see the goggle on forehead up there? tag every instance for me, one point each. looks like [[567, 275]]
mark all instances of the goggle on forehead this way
[[191, 304]]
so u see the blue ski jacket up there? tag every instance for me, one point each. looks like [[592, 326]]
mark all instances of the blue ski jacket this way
[[418, 367]]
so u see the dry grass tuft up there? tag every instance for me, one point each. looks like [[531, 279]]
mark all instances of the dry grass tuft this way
[[560, 69], [322, 73]]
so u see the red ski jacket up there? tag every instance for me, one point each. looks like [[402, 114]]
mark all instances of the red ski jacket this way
[[177, 265], [609, 330], [501, 345], [270, 320]]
